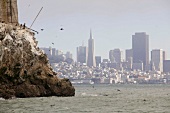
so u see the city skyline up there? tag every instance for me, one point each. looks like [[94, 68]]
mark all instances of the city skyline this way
[[112, 25]]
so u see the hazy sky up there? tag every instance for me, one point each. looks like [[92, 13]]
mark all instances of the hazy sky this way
[[113, 22]]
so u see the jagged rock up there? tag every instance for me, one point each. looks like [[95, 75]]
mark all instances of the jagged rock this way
[[24, 68]]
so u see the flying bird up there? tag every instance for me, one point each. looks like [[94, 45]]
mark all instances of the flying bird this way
[[61, 29], [53, 43], [42, 29]]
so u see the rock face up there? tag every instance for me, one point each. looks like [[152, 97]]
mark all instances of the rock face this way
[[24, 68]]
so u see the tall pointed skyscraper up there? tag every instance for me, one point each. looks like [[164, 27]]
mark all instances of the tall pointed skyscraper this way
[[9, 11], [91, 62]]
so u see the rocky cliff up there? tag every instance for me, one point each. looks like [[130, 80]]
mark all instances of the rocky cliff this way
[[24, 68]]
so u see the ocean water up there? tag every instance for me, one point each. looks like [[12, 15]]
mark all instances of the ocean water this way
[[97, 99]]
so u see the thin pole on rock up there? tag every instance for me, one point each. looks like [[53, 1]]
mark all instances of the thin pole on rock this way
[[36, 17]]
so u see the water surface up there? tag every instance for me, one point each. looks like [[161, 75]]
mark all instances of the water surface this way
[[97, 99]]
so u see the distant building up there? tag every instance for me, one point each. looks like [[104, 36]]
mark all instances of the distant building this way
[[106, 60], [69, 55], [91, 55], [138, 66], [47, 51], [166, 66], [111, 57], [116, 55], [140, 47], [54, 52], [98, 60], [164, 55], [82, 54], [59, 52], [54, 55], [129, 54], [129, 58], [117, 66], [129, 63], [157, 60]]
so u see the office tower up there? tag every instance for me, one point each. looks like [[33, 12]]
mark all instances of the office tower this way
[[164, 55], [91, 55], [129, 54], [82, 54], [118, 55], [111, 57], [69, 55], [157, 60], [9, 11], [140, 47], [106, 60], [166, 66], [59, 52], [53, 51], [47, 51], [138, 66], [98, 60], [129, 58]]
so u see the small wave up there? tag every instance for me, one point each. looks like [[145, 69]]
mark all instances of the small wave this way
[[2, 99], [92, 95]]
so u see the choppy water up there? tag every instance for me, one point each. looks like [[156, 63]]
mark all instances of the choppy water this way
[[97, 99]]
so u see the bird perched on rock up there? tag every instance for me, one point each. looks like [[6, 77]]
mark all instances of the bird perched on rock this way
[[24, 26]]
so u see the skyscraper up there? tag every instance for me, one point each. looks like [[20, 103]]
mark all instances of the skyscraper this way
[[157, 59], [82, 54], [91, 62], [164, 55], [9, 11], [116, 55], [47, 51], [129, 54], [129, 58], [140, 47], [111, 57], [98, 60], [69, 55], [166, 66]]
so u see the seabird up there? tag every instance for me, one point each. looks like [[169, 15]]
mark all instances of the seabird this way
[[24, 26], [61, 29]]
